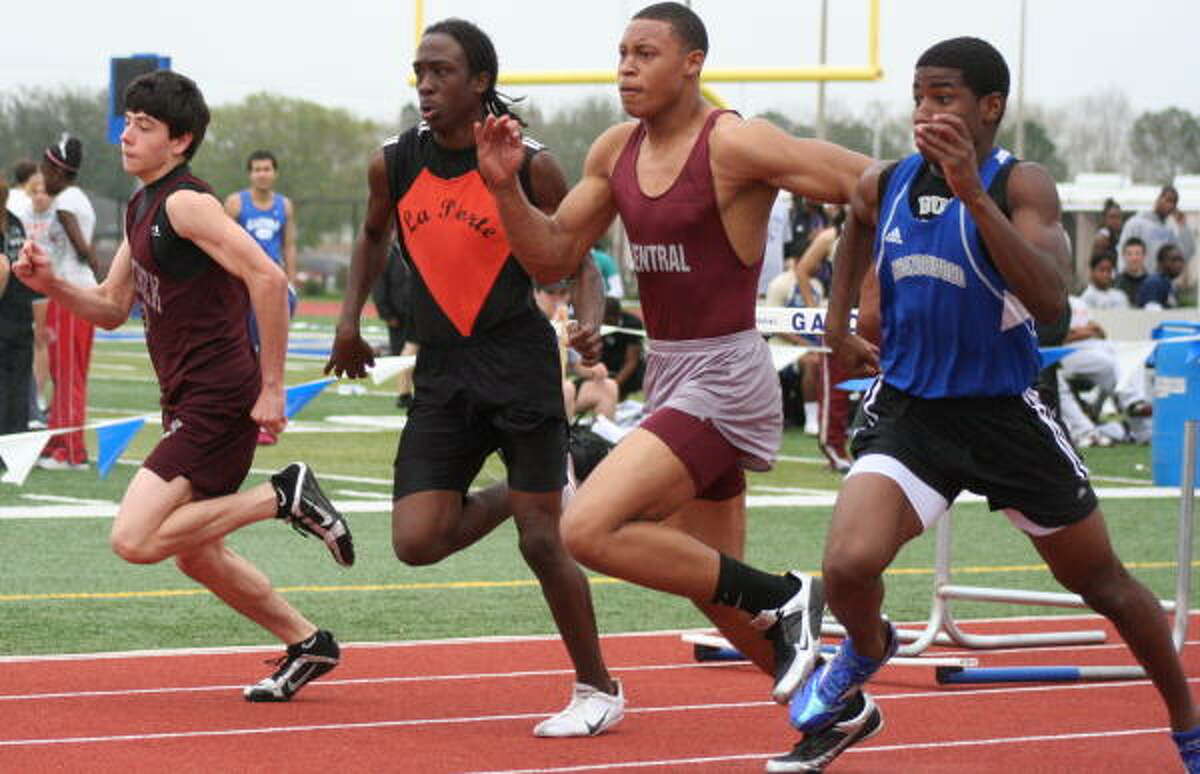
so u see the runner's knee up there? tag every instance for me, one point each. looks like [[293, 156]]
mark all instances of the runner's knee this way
[[134, 550]]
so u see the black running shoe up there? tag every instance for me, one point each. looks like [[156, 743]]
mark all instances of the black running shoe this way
[[861, 719], [303, 663], [303, 505], [795, 631]]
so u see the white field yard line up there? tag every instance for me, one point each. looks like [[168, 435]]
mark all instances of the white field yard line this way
[[384, 506]]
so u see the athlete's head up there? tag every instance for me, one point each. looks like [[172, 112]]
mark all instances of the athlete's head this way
[[1167, 201], [661, 55], [165, 121], [456, 69], [966, 77], [1103, 265], [22, 171], [262, 167], [61, 162]]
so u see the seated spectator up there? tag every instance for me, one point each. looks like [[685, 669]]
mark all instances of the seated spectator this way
[[1158, 291], [1100, 293], [799, 381], [1129, 280], [1094, 360], [1109, 233], [585, 388], [622, 352]]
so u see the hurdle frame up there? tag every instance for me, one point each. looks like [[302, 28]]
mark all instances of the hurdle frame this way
[[943, 629]]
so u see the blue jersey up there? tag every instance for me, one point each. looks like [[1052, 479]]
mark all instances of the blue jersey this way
[[266, 226], [951, 327]]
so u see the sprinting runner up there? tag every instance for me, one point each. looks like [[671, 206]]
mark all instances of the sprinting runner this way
[[487, 376], [694, 187], [965, 240], [196, 275]]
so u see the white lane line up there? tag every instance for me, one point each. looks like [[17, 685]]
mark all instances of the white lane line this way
[[664, 762], [376, 506], [327, 682]]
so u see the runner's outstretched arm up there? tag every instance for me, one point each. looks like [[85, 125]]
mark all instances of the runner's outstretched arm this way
[[549, 247]]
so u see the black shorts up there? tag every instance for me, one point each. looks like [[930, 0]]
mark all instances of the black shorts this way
[[500, 392], [1008, 449]]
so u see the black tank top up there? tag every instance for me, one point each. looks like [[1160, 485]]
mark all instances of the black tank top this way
[[465, 281]]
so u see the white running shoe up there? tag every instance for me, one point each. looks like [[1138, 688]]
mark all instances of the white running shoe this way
[[590, 712]]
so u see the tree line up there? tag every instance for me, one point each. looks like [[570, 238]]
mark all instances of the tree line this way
[[323, 151]]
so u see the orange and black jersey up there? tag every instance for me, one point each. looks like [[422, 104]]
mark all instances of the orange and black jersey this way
[[465, 279]]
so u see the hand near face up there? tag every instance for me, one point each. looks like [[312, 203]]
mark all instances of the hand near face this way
[[946, 141]]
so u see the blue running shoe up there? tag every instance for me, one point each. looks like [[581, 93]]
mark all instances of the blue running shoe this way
[[1189, 748], [827, 691]]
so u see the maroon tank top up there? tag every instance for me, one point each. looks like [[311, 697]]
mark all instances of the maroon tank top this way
[[691, 282], [193, 310]]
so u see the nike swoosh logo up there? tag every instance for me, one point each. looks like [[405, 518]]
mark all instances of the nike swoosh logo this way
[[594, 728]]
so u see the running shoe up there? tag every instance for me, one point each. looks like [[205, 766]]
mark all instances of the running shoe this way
[[859, 720], [303, 663], [828, 690], [795, 631], [303, 505], [1188, 743], [590, 712]]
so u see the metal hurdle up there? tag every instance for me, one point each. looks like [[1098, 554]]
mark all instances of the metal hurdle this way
[[942, 621]]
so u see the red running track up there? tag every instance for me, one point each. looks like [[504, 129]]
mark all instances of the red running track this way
[[471, 705]]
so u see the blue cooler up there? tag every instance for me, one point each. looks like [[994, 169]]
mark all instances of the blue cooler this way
[[1176, 397]]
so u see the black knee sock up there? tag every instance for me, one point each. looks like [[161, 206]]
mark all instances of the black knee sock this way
[[740, 585]]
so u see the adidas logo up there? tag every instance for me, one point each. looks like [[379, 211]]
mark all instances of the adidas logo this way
[[893, 237]]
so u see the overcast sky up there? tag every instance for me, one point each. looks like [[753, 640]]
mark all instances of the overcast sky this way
[[356, 53]]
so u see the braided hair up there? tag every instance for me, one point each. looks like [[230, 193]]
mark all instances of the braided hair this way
[[481, 58]]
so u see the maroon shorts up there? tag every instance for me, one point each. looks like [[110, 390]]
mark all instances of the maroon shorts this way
[[212, 451], [712, 461]]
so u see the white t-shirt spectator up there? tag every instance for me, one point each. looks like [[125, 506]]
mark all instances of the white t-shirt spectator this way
[[74, 268], [1095, 298]]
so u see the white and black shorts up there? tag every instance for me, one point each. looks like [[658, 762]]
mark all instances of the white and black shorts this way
[[1008, 449]]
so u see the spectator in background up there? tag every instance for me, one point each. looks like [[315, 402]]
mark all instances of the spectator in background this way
[[391, 297], [622, 353], [1164, 224], [1100, 293], [16, 325], [70, 345], [609, 272], [808, 218], [1158, 291], [1109, 233], [269, 218], [777, 236], [27, 186], [18, 195], [1129, 280], [585, 388]]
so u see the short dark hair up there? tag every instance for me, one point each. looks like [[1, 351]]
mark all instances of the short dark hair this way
[[261, 155], [1168, 188], [1104, 255], [173, 99], [481, 58], [983, 67], [684, 22], [1134, 242], [1110, 204], [1166, 248], [23, 170]]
